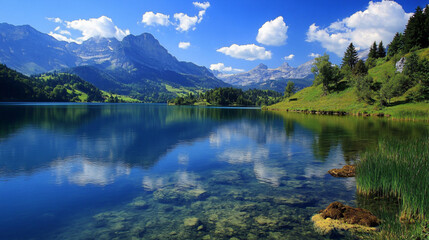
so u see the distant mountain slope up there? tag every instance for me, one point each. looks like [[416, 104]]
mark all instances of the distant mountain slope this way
[[262, 74], [28, 51], [137, 65]]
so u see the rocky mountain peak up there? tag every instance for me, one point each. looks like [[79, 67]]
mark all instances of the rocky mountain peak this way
[[261, 66]]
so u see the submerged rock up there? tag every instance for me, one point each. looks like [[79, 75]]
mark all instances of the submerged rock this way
[[139, 203], [348, 215], [346, 171], [191, 222], [177, 196], [262, 220]]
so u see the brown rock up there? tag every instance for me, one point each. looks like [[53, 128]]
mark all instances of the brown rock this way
[[346, 171], [350, 215]]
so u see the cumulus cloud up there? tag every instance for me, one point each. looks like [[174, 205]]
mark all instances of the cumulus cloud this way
[[93, 27], [185, 22], [184, 45], [273, 33], [290, 57], [379, 22], [222, 68], [153, 19], [203, 5], [55, 20], [97, 27], [248, 52], [314, 55], [60, 37]]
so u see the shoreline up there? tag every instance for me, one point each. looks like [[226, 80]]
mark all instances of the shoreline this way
[[344, 113]]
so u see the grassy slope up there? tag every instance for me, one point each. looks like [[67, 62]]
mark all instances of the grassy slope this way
[[311, 98]]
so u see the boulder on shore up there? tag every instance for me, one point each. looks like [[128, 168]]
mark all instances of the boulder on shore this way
[[346, 171]]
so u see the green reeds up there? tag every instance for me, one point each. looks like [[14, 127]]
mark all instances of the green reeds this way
[[399, 168]]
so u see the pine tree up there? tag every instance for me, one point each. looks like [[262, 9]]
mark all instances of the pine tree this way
[[396, 46], [426, 27], [373, 51], [360, 69], [350, 57], [381, 52], [414, 35], [290, 89]]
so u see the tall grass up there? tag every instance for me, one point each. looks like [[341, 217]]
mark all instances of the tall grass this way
[[400, 168]]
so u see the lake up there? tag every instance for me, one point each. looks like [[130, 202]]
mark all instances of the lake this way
[[152, 171]]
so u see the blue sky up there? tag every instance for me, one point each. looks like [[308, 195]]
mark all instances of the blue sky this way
[[234, 35]]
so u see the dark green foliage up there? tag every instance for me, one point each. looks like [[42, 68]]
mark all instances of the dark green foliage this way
[[418, 72], [350, 57], [360, 69], [416, 33], [326, 73], [381, 51], [290, 89], [231, 97], [56, 87], [396, 46], [363, 89], [373, 51]]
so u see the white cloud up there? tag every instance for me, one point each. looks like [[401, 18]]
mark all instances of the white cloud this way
[[379, 22], [55, 20], [60, 37], [273, 33], [248, 52], [97, 27], [57, 28], [314, 55], [290, 57], [222, 68], [65, 32], [203, 5], [152, 19], [184, 45], [185, 22]]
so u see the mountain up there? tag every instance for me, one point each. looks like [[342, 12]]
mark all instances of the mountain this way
[[262, 77], [138, 65], [28, 51]]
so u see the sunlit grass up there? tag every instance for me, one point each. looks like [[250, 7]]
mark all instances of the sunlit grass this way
[[399, 168]]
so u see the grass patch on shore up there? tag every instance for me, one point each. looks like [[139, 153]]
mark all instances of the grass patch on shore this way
[[399, 168], [312, 99]]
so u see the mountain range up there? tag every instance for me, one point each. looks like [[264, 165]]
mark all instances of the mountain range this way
[[262, 77], [138, 65]]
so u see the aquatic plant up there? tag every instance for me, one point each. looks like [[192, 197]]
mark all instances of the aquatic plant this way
[[399, 168]]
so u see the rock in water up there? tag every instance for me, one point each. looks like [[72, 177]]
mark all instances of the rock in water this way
[[191, 222], [350, 215], [340, 217], [346, 171]]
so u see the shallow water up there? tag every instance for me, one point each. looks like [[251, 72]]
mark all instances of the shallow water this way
[[147, 171]]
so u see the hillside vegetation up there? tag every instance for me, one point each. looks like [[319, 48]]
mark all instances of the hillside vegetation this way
[[375, 86], [230, 97], [51, 87]]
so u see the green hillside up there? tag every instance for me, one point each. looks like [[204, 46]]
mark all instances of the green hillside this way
[[347, 100], [51, 87]]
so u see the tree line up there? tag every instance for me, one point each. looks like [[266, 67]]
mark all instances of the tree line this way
[[50, 87], [229, 96]]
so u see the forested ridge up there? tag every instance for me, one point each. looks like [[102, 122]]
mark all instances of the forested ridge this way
[[48, 87]]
